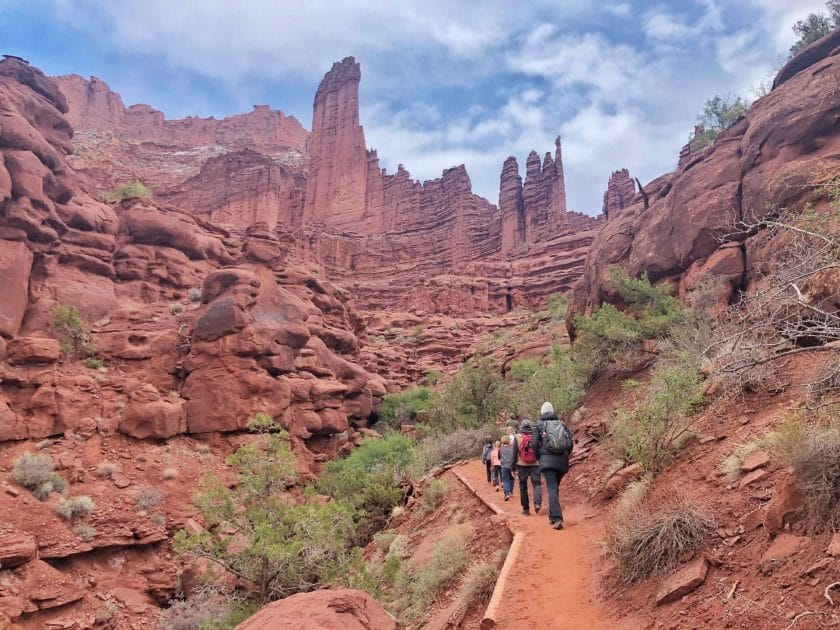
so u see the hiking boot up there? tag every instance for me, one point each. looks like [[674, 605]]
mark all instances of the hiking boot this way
[[507, 496], [526, 513], [537, 508], [557, 524]]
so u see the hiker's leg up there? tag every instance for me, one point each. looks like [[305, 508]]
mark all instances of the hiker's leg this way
[[497, 471], [524, 473], [551, 485], [560, 475], [507, 478], [487, 464], [534, 474]]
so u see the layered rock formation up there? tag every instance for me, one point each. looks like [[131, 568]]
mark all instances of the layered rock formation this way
[[392, 240], [778, 156], [261, 335], [619, 194]]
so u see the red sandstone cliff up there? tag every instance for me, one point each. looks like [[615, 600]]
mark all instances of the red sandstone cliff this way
[[778, 156], [619, 194]]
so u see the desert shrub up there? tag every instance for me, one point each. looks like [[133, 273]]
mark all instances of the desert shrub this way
[[383, 541], [404, 406], [522, 369], [448, 558], [655, 425], [146, 497], [369, 480], [815, 26], [94, 363], [478, 584], [37, 474], [106, 610], [433, 377], [85, 531], [208, 609], [169, 473], [809, 442], [474, 398], [644, 538], [561, 381], [557, 305], [434, 494], [158, 519], [731, 465], [719, 114], [447, 448], [124, 191], [176, 308], [76, 507], [71, 330], [194, 294], [106, 470]]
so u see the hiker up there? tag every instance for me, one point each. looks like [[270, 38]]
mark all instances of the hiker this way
[[507, 458], [495, 465], [528, 467], [554, 445], [485, 456]]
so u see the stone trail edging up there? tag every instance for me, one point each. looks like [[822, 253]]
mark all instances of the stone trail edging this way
[[489, 618]]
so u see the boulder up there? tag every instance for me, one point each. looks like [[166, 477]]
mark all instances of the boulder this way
[[159, 419], [619, 480], [340, 609], [754, 477], [683, 581], [16, 548], [15, 267], [834, 546], [33, 350], [783, 508], [759, 459], [784, 546]]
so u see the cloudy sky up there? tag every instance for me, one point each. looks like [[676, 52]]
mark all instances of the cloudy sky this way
[[443, 82]]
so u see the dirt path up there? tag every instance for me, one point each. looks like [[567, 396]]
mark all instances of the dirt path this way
[[554, 583]]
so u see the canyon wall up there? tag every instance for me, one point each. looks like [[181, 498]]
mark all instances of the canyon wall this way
[[781, 154], [393, 240]]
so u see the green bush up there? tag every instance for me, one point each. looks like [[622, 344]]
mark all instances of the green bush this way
[[405, 406], [815, 26], [719, 114], [474, 398], [94, 363], [281, 546], [561, 381], [522, 369], [369, 480], [124, 191], [612, 335], [557, 305], [71, 330], [207, 609], [433, 377], [434, 494], [657, 423]]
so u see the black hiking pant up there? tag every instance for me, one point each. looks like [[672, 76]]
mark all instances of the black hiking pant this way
[[552, 486], [487, 463], [532, 473]]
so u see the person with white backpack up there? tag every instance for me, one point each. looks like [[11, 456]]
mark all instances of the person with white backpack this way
[[553, 443]]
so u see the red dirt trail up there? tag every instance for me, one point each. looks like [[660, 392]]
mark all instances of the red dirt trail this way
[[555, 580]]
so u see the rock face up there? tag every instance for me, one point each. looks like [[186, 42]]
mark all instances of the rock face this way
[[340, 609], [619, 194], [259, 329], [394, 239], [777, 156]]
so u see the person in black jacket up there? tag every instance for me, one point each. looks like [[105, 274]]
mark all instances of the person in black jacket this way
[[552, 465]]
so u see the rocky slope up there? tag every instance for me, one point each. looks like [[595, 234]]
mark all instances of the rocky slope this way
[[777, 156]]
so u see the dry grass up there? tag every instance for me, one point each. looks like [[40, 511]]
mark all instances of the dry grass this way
[[731, 466], [36, 474], [434, 494], [478, 584], [146, 497], [449, 557], [85, 531], [76, 507], [810, 445], [169, 474], [645, 538], [106, 470]]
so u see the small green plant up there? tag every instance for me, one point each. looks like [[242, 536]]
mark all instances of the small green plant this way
[[522, 369], [194, 294], [158, 519], [719, 114], [76, 507], [433, 377], [383, 541], [71, 330], [405, 406], [85, 531], [146, 497], [125, 191], [561, 381], [37, 474], [94, 363], [558, 305], [434, 494]]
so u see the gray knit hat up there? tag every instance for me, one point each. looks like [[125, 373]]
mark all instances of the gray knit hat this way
[[524, 425]]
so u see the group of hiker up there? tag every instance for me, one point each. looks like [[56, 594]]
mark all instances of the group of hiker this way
[[532, 450]]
